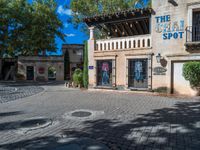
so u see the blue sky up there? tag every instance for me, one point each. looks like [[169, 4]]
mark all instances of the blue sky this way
[[73, 35]]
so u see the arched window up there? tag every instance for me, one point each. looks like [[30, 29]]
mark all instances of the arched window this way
[[104, 46], [108, 46], [52, 73]]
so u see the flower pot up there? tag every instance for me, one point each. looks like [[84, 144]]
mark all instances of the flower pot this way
[[195, 91]]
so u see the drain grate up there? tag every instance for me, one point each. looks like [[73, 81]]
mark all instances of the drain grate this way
[[81, 114]]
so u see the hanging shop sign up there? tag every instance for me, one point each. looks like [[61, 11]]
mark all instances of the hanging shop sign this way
[[159, 71], [169, 29]]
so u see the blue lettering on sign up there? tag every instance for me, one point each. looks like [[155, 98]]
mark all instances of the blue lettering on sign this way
[[169, 29]]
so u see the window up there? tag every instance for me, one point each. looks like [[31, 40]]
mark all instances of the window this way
[[108, 46]]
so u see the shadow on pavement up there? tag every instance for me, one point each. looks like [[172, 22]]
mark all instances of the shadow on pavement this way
[[167, 128], [14, 113]]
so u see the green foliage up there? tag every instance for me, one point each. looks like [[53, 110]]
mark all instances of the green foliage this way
[[89, 8], [20, 76], [85, 66], [51, 71], [26, 28], [191, 72], [78, 77]]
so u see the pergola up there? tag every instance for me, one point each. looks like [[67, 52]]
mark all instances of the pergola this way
[[124, 23]]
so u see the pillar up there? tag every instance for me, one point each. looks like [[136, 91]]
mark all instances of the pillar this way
[[91, 61]]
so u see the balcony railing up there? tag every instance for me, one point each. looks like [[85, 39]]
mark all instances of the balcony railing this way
[[193, 34], [124, 43]]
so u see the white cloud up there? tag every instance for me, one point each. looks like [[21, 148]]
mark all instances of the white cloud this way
[[70, 35], [63, 11]]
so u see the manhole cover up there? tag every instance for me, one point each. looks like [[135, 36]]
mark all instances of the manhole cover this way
[[81, 114], [33, 123]]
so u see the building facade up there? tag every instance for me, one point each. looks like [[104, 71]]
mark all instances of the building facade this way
[[73, 54], [40, 68], [145, 49]]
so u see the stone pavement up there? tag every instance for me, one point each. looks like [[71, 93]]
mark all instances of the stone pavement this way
[[68, 119]]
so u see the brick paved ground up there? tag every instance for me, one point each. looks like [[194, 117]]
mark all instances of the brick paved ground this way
[[120, 121]]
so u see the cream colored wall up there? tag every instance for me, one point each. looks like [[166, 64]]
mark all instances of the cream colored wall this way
[[173, 47], [45, 62], [121, 57], [170, 50]]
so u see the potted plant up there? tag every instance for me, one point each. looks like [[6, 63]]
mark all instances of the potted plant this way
[[191, 72], [78, 77]]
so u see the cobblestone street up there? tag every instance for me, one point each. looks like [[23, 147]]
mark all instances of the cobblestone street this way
[[58, 118]]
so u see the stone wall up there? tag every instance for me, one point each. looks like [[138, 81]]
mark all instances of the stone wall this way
[[42, 62]]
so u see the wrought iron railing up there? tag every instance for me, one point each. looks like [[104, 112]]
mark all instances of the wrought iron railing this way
[[193, 34]]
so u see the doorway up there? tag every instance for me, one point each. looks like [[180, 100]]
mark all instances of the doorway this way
[[30, 73]]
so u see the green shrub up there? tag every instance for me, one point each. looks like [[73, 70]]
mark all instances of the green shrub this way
[[78, 77], [20, 76], [191, 72]]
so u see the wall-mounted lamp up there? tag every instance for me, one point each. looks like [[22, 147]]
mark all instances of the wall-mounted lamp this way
[[158, 58]]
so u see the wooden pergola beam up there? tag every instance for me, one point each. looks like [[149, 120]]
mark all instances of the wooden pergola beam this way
[[138, 25], [129, 29]]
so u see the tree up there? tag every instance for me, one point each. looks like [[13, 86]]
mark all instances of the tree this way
[[88, 8], [85, 66], [26, 28]]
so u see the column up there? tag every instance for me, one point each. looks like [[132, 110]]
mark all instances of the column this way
[[91, 61]]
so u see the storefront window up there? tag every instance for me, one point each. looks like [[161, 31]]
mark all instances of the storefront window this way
[[138, 76], [104, 73]]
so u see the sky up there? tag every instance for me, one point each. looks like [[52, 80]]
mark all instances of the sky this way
[[73, 35]]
